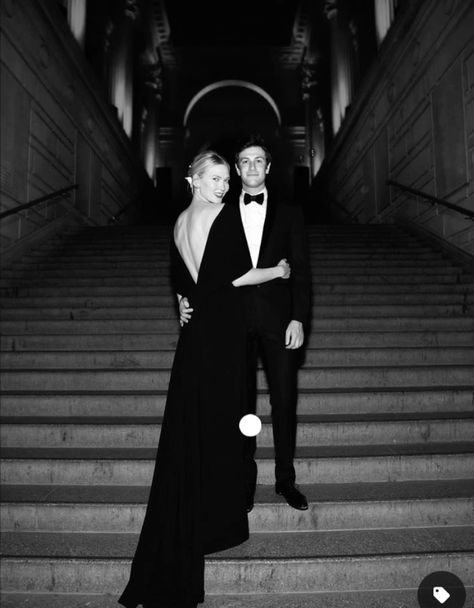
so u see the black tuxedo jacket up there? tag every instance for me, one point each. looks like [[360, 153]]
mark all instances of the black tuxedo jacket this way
[[280, 301]]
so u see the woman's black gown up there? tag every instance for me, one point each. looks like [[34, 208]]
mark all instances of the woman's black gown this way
[[197, 498]]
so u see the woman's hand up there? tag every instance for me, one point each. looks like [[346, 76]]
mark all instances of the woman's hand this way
[[184, 311], [286, 269]]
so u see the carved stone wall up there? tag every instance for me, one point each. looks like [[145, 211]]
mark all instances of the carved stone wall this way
[[57, 127], [413, 121]]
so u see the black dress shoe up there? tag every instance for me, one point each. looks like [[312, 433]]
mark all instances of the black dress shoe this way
[[292, 496]]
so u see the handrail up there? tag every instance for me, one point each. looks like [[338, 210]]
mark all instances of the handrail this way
[[434, 200], [37, 201]]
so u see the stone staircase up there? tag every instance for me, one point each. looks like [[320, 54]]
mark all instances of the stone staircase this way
[[385, 436]]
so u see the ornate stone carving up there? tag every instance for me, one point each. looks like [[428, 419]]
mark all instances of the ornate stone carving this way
[[330, 9], [109, 30], [131, 9], [154, 79], [143, 119], [354, 35], [308, 79]]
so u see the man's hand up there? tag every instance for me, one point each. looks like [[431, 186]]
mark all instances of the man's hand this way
[[184, 311], [286, 268], [294, 335]]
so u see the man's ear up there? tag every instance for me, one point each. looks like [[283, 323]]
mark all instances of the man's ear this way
[[237, 169], [267, 170]]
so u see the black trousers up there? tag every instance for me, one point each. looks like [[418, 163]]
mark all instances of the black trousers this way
[[280, 365]]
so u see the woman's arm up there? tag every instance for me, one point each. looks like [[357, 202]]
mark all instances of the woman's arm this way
[[262, 275]]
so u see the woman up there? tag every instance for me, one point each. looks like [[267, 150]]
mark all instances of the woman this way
[[197, 497]]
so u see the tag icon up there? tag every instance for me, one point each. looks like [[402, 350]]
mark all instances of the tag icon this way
[[441, 594], [441, 588]]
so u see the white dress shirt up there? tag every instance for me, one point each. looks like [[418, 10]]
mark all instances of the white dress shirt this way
[[253, 219]]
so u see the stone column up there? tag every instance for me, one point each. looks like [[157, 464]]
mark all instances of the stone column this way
[[318, 151], [121, 71], [76, 14], [308, 83], [149, 131], [341, 65], [384, 13]]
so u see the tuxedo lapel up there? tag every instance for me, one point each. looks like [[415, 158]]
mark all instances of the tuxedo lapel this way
[[267, 228]]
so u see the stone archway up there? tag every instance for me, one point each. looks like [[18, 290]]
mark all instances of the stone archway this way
[[231, 83], [223, 113]]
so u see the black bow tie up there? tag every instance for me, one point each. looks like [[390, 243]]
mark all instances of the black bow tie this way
[[258, 198]]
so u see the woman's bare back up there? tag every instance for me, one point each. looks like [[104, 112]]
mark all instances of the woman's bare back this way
[[191, 232]]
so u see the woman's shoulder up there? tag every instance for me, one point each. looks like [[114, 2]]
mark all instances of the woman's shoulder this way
[[180, 223]]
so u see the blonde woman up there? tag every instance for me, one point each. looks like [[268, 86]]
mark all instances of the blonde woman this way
[[197, 502]]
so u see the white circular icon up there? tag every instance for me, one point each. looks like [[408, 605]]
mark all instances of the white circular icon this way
[[250, 425]]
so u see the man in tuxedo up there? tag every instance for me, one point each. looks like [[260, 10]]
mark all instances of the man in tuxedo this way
[[275, 312]]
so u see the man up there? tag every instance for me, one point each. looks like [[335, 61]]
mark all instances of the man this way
[[275, 312]]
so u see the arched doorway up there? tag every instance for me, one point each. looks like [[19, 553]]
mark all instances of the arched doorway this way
[[225, 112]]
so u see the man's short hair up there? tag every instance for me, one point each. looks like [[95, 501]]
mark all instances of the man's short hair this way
[[253, 140]]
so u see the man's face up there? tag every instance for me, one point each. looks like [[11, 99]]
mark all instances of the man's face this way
[[252, 167]]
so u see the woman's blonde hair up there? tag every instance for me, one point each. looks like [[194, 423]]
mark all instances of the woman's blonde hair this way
[[200, 163]]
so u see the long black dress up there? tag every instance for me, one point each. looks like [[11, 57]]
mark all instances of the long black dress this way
[[197, 499]]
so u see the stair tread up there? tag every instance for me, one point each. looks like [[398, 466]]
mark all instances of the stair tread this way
[[134, 369], [348, 275], [392, 598], [315, 493], [303, 391], [261, 545], [266, 419], [262, 453], [308, 351]]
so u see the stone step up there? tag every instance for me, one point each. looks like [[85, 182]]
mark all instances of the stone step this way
[[130, 236], [167, 341], [266, 563], [392, 598], [170, 312], [318, 271], [333, 403], [117, 432], [152, 257], [341, 238], [321, 357], [92, 268], [401, 280], [340, 289], [132, 326], [327, 464], [308, 378], [338, 250], [49, 508], [29, 303], [260, 546]]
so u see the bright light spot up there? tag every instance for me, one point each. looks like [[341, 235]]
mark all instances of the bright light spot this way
[[250, 425]]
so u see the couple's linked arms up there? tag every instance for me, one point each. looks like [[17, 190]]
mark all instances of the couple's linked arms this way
[[253, 277], [294, 335], [262, 275]]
